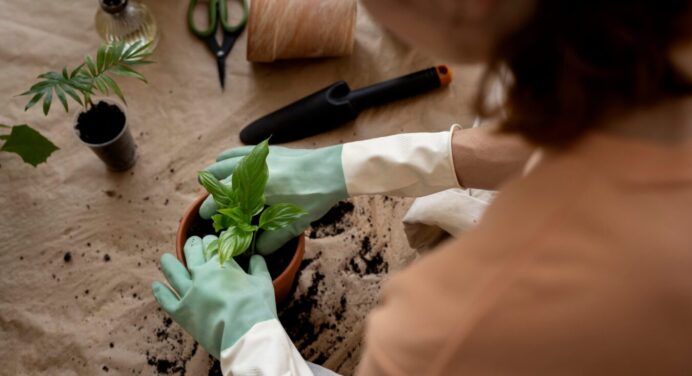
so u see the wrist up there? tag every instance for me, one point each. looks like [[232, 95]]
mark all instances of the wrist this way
[[409, 165], [265, 349]]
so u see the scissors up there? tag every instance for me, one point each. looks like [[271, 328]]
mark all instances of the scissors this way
[[218, 15]]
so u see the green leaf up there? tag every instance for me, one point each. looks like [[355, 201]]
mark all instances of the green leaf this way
[[236, 215], [29, 144], [123, 70], [82, 82], [212, 248], [100, 85], [250, 178], [221, 194], [243, 242], [37, 87], [233, 242], [221, 222], [50, 76], [47, 99], [76, 70], [116, 89], [142, 50], [72, 93], [248, 227], [90, 65], [129, 51], [87, 96], [55, 83], [116, 50], [278, 216], [100, 58], [33, 101], [137, 62], [223, 252], [61, 96]]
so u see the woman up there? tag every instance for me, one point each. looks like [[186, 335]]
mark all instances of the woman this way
[[580, 266]]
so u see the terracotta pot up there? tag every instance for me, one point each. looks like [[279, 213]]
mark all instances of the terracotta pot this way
[[282, 283]]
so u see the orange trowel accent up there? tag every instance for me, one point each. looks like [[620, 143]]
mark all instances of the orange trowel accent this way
[[444, 74]]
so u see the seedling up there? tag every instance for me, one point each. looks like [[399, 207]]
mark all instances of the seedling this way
[[92, 75], [242, 212], [111, 59]]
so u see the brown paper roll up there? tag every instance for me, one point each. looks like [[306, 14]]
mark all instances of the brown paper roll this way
[[289, 29]]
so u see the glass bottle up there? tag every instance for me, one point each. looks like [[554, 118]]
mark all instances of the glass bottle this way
[[126, 20]]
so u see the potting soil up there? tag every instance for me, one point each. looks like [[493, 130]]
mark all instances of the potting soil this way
[[100, 123]]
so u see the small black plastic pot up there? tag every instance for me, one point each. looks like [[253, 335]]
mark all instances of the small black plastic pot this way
[[104, 129]]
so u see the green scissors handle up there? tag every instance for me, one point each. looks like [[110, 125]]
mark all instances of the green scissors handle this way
[[218, 13]]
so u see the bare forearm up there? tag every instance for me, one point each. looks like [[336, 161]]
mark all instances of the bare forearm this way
[[484, 158]]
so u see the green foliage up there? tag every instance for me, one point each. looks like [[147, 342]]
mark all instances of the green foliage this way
[[243, 201], [222, 194], [80, 84], [250, 178], [279, 216], [115, 59], [28, 143]]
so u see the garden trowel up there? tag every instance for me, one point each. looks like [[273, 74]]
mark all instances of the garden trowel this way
[[337, 104]]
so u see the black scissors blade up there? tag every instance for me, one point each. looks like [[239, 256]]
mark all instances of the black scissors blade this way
[[223, 52], [221, 64]]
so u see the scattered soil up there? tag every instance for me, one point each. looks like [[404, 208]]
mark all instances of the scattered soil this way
[[295, 317], [334, 222], [67, 257], [368, 260], [215, 369], [165, 366], [100, 124]]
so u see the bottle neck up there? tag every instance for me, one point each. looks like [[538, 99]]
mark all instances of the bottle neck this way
[[113, 6]]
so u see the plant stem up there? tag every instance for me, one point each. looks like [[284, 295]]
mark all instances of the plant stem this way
[[252, 245]]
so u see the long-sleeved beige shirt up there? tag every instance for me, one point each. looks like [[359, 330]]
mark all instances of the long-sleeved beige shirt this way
[[583, 266]]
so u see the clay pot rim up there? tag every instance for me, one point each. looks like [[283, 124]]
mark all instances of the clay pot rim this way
[[285, 277]]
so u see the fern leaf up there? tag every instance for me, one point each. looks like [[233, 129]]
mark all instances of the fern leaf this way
[[60, 93], [47, 99]]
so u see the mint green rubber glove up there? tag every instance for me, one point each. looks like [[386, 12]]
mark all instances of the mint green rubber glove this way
[[216, 305], [407, 165], [311, 179]]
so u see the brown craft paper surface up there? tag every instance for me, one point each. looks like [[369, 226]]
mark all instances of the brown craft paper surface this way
[[96, 312]]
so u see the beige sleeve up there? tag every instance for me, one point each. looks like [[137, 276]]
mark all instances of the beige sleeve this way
[[408, 332], [422, 307], [484, 158], [553, 281], [429, 311]]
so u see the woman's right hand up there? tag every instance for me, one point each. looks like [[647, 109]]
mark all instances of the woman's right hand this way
[[312, 179]]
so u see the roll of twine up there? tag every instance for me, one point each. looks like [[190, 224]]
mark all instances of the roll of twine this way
[[290, 29]]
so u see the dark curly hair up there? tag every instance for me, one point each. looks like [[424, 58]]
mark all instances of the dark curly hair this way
[[574, 63]]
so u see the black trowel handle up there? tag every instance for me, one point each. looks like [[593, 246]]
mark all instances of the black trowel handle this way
[[336, 105], [401, 87]]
